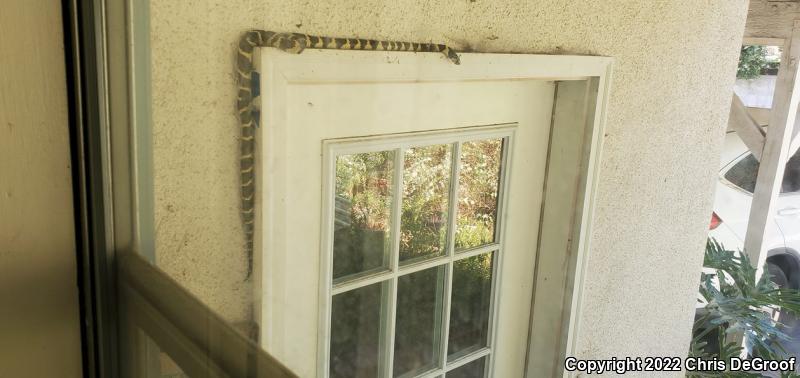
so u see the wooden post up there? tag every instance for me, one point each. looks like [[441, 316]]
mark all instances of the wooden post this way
[[748, 130], [775, 153]]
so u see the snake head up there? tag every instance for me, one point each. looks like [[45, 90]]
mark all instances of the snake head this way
[[451, 54]]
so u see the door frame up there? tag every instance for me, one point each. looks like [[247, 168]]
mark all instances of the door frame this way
[[579, 113]]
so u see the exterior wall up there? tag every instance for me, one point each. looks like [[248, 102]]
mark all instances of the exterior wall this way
[[39, 319], [667, 114]]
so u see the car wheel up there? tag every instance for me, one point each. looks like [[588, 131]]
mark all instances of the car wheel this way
[[778, 276]]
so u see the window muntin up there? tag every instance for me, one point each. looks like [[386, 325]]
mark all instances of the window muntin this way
[[474, 369], [743, 174], [427, 284]]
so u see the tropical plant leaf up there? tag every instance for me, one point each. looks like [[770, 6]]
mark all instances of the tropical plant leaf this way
[[736, 303]]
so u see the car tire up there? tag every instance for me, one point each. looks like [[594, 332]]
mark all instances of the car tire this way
[[778, 276]]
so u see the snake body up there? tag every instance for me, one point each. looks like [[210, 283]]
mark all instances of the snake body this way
[[247, 107]]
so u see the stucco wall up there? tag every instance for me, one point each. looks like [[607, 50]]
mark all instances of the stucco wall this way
[[39, 318], [667, 113]]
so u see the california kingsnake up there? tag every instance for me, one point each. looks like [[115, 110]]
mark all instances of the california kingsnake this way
[[293, 43]]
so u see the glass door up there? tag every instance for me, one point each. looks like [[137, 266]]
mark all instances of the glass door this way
[[260, 203]]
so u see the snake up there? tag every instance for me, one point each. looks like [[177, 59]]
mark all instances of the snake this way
[[247, 103]]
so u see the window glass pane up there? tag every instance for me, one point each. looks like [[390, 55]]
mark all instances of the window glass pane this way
[[743, 173], [418, 322], [356, 335], [168, 367], [474, 369], [791, 175], [478, 181], [363, 205], [469, 309], [426, 188]]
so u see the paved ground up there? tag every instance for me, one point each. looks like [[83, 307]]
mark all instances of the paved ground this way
[[793, 348]]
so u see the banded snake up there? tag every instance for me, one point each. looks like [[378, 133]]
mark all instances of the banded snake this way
[[248, 109]]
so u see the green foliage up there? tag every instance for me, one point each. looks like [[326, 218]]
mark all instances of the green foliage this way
[[474, 231], [726, 351], [476, 268], [366, 180], [364, 203], [426, 187], [364, 199], [738, 304], [752, 60], [477, 195]]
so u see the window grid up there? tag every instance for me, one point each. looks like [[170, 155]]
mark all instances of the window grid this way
[[448, 259], [451, 238], [397, 210]]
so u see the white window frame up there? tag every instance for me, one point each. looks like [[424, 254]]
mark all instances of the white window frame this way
[[400, 143]]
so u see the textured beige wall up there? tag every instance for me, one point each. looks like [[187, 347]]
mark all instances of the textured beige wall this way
[[667, 113], [39, 325]]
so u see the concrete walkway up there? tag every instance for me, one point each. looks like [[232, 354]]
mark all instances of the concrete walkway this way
[[793, 347]]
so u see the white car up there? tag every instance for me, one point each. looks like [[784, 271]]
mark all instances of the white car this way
[[734, 195]]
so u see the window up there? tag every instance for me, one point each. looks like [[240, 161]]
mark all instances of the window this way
[[415, 238], [743, 174], [791, 175]]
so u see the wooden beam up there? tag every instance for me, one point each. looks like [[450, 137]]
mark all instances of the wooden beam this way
[[776, 151], [749, 41], [746, 128], [771, 19], [760, 115]]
